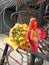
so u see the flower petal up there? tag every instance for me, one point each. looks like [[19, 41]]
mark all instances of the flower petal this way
[[33, 23], [34, 46], [41, 33]]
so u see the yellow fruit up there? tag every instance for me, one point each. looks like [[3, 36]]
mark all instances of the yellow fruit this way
[[11, 38], [21, 38], [17, 34], [24, 33], [21, 44], [20, 25], [24, 28], [24, 48], [25, 25], [16, 25]]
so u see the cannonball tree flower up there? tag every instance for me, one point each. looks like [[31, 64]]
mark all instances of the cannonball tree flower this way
[[34, 34]]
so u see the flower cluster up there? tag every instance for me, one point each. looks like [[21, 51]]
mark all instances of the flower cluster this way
[[34, 34]]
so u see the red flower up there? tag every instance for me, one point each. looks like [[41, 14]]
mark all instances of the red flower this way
[[33, 23], [35, 34]]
